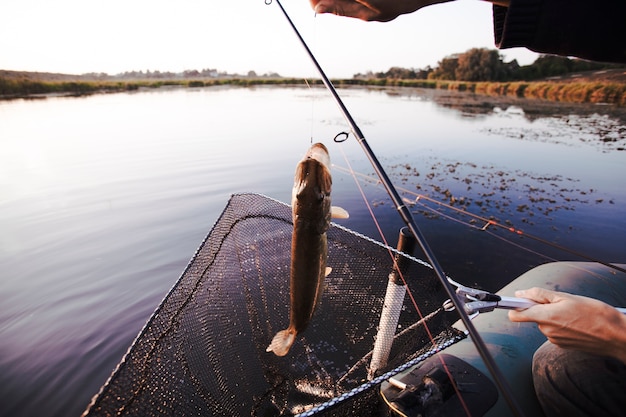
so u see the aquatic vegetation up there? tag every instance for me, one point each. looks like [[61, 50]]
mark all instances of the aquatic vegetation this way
[[508, 196], [570, 92]]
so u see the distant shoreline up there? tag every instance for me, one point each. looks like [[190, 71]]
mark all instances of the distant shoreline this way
[[582, 89]]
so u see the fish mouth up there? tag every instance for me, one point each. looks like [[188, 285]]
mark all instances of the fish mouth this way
[[319, 152], [312, 177]]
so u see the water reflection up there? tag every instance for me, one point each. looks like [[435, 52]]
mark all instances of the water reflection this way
[[468, 104], [104, 199]]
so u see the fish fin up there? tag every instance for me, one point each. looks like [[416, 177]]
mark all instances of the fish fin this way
[[281, 343], [339, 213], [328, 271]]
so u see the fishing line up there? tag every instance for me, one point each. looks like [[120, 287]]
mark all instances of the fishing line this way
[[312, 107], [407, 217], [306, 81], [340, 138], [382, 236]]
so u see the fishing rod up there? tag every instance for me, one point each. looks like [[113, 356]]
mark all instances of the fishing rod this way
[[407, 217]]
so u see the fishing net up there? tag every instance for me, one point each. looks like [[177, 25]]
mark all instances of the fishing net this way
[[203, 351]]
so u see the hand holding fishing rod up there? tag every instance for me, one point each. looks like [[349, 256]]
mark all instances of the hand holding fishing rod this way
[[378, 10]]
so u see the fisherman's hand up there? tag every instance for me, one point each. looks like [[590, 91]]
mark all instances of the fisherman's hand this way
[[380, 10], [575, 322]]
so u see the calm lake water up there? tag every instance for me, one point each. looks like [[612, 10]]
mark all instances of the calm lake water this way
[[104, 199]]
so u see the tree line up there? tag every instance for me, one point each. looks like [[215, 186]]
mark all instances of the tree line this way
[[482, 64]]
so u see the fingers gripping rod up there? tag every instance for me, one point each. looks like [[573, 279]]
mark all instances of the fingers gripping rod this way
[[410, 222]]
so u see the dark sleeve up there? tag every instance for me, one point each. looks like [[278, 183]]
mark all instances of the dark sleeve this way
[[589, 29]]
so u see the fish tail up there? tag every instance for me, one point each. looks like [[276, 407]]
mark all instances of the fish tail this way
[[281, 343]]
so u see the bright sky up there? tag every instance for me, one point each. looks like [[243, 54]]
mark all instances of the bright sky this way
[[236, 36]]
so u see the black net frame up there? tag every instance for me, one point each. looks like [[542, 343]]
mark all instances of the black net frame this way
[[203, 351]]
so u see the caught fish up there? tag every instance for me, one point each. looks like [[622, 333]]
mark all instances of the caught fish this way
[[312, 211]]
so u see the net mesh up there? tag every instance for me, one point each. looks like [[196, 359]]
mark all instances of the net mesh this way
[[203, 350]]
